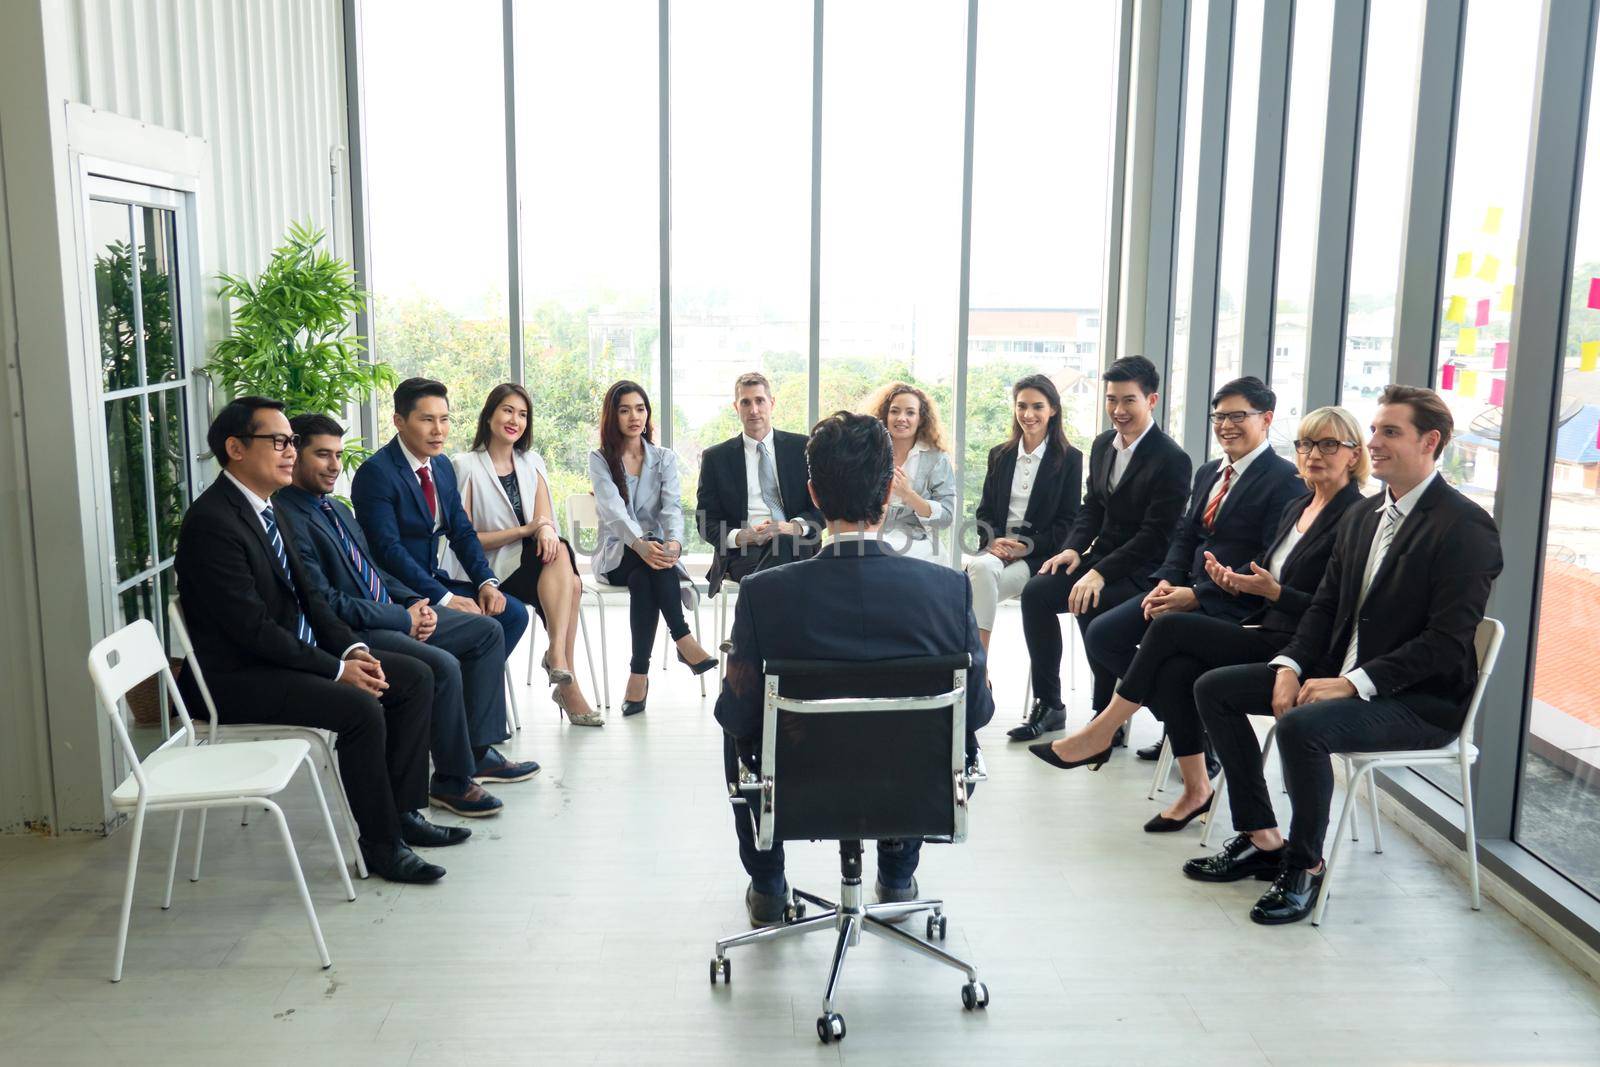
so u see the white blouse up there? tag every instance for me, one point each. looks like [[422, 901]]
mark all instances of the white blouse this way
[[1023, 480], [1281, 553]]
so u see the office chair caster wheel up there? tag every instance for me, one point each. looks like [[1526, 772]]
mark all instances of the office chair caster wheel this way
[[721, 965], [830, 1027], [974, 995], [793, 913], [936, 926]]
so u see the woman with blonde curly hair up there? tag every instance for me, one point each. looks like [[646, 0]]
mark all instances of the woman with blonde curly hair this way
[[923, 496]]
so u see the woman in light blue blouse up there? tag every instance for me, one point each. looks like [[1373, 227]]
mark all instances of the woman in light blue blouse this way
[[641, 534], [923, 501]]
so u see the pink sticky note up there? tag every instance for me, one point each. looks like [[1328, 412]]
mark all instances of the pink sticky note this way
[[1483, 313], [1594, 292], [1502, 355], [1447, 376], [1497, 392]]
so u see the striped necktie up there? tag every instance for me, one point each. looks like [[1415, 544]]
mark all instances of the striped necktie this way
[[302, 625], [369, 574], [1209, 520]]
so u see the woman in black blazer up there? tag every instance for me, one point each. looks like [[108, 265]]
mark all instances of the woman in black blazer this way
[[1029, 501], [1180, 646]]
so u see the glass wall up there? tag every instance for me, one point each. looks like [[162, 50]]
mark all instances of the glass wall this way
[[1188, 196], [1238, 182]]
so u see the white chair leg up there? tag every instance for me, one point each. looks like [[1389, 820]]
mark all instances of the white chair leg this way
[[1163, 773], [199, 845], [1027, 692], [327, 824], [702, 677], [605, 658], [244, 815], [172, 860], [127, 892], [1372, 798], [1352, 790], [300, 883], [1471, 826], [1219, 804], [588, 653], [721, 612], [1072, 656], [531, 657], [347, 815], [513, 710]]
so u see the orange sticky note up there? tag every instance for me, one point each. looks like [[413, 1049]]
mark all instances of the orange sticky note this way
[[1464, 265], [1467, 342], [1589, 355], [1457, 311], [1507, 296], [1467, 383], [1491, 219], [1490, 269]]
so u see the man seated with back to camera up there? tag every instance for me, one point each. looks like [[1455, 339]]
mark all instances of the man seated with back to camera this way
[[855, 600]]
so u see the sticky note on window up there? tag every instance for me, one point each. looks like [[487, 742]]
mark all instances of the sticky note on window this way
[[1497, 392], [1447, 376], [1464, 265], [1594, 293], [1589, 355], [1491, 219], [1457, 311], [1507, 295], [1467, 383], [1490, 269], [1482, 318], [1467, 342], [1502, 354]]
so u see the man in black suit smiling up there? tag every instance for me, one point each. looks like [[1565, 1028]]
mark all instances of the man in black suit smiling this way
[[1382, 660]]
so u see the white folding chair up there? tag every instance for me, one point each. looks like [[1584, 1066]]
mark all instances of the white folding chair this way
[[1460, 753], [513, 711], [182, 774], [214, 732], [726, 592]]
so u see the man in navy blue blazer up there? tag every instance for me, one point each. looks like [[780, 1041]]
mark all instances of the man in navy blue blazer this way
[[465, 652], [852, 601], [1233, 514], [405, 499]]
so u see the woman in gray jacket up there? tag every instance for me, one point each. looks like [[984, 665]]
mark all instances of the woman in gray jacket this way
[[922, 507], [641, 534]]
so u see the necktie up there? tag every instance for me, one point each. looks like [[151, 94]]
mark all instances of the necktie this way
[[1210, 518], [1380, 548], [302, 625], [369, 574], [769, 481], [425, 476]]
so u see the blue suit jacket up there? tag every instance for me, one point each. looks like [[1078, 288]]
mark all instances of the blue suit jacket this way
[[1246, 527], [856, 602], [332, 571], [404, 539]]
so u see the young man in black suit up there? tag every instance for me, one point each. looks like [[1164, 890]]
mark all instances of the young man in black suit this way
[[1233, 515], [751, 506], [855, 600], [274, 652], [1383, 659], [1138, 482]]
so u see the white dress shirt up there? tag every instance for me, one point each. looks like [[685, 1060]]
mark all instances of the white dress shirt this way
[[259, 506], [1281, 553], [417, 465], [1122, 455], [1365, 688], [1022, 482], [756, 510]]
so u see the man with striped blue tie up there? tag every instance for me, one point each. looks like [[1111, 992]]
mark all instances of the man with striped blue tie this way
[[274, 652]]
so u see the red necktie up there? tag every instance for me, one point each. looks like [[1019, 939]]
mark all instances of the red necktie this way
[[1210, 519], [426, 478]]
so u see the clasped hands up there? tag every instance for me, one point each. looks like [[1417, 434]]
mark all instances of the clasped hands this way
[[1289, 692], [764, 531], [490, 601], [362, 670], [658, 556]]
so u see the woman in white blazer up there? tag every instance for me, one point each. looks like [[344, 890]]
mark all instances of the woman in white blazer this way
[[923, 505], [505, 489], [641, 534]]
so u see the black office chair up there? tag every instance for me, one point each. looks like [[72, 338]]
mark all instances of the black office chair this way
[[860, 751]]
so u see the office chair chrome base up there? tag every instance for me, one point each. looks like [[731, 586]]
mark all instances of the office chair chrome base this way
[[850, 917]]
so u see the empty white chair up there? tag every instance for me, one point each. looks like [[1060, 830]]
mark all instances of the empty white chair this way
[[183, 774], [1460, 753]]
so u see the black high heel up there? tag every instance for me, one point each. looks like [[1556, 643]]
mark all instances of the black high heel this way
[[699, 668], [1043, 750], [636, 707], [1160, 824]]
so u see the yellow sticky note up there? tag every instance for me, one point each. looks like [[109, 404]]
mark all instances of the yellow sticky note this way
[[1464, 265], [1467, 383], [1467, 342], [1490, 269], [1589, 355], [1457, 311], [1507, 295], [1491, 220]]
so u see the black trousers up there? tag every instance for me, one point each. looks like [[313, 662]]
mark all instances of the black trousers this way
[[382, 741], [1307, 736], [775, 553], [1044, 598], [523, 582], [1176, 650], [1110, 642], [650, 593]]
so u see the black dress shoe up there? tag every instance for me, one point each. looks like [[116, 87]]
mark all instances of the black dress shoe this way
[[420, 833], [1041, 719], [1160, 824], [1292, 897], [1043, 750], [1150, 753], [397, 863], [1239, 859]]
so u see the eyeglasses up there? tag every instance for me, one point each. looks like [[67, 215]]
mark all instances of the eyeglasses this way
[[1222, 418], [1327, 446], [280, 441]]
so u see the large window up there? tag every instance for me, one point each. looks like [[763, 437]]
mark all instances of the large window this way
[[1238, 191], [1388, 94], [1177, 382]]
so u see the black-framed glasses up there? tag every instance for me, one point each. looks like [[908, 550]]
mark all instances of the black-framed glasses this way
[[280, 441], [1326, 445], [1223, 418]]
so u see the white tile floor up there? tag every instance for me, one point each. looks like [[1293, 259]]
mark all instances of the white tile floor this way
[[576, 928]]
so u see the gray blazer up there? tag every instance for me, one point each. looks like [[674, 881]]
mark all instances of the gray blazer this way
[[654, 509], [933, 477]]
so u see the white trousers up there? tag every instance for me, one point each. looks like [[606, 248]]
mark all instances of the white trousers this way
[[994, 580]]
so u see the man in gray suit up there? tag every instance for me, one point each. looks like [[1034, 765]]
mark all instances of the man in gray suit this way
[[465, 652]]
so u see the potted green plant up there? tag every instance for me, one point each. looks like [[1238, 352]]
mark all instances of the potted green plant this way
[[290, 335]]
